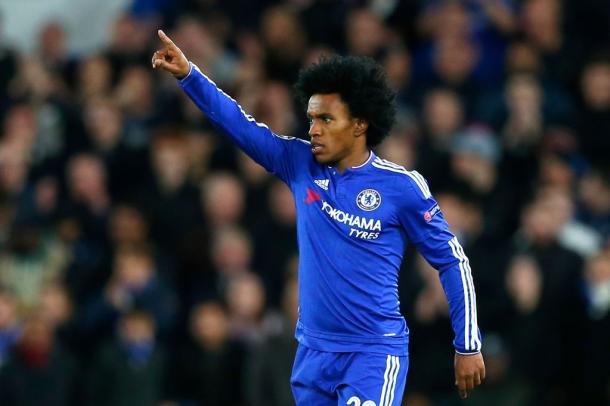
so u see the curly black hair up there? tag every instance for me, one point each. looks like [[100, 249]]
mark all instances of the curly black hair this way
[[361, 82]]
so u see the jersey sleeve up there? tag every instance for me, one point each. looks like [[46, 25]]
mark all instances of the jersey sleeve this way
[[274, 152], [427, 229]]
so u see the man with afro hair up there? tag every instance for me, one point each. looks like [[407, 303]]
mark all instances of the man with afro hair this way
[[355, 214]]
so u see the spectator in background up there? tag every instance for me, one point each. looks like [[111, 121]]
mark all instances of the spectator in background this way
[[172, 201], [284, 42], [594, 207], [245, 298], [596, 374], [544, 293], [35, 258], [474, 163], [365, 33], [134, 284], [90, 201], [134, 94], [99, 155], [222, 200], [130, 369], [209, 369], [542, 25], [38, 371], [273, 240], [10, 324], [594, 117], [93, 77], [105, 128], [271, 360], [443, 116]]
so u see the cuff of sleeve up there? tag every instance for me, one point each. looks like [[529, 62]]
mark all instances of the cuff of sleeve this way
[[185, 79], [467, 353]]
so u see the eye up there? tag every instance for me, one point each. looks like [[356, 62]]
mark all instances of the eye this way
[[327, 120]]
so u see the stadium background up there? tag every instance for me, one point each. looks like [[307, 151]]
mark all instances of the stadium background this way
[[145, 261]]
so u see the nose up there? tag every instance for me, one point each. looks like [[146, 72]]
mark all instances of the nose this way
[[314, 129]]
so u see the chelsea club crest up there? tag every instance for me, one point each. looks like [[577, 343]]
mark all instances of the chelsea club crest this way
[[368, 199]]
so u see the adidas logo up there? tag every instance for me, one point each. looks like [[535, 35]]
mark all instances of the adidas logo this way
[[323, 183]]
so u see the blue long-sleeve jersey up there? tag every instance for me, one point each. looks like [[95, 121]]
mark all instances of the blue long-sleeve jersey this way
[[352, 232]]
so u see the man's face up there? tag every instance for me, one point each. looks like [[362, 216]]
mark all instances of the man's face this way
[[331, 127]]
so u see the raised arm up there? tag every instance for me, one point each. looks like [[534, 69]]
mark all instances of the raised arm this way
[[275, 153]]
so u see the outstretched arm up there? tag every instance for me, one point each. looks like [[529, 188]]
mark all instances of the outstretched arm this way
[[274, 152]]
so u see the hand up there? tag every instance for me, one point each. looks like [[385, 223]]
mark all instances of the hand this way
[[469, 372], [170, 59]]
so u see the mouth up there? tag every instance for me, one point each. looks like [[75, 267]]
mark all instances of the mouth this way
[[316, 148]]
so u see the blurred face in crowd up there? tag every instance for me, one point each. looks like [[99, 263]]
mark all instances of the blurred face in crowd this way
[[133, 269], [86, 177], [522, 57], [13, 170], [170, 162], [137, 328], [555, 171], [37, 336], [596, 86], [129, 35], [597, 270], [275, 108], [209, 325], [52, 42], [231, 250], [128, 226], [8, 310], [365, 33], [282, 203], [134, 92], [252, 172], [542, 21], [20, 126], [223, 198], [397, 65], [443, 115], [398, 148], [55, 304], [540, 224], [523, 93], [281, 32], [452, 20], [455, 59], [524, 283], [104, 122], [94, 76], [336, 136], [595, 193], [245, 297]]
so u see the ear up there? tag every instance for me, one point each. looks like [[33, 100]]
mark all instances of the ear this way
[[361, 127]]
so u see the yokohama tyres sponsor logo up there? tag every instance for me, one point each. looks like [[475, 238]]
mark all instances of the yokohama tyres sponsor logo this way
[[350, 219]]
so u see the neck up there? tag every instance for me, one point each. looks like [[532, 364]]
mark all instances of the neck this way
[[355, 159]]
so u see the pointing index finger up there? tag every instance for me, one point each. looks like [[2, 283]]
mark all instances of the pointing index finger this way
[[166, 40]]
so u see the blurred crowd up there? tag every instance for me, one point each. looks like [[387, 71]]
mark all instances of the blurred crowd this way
[[145, 261]]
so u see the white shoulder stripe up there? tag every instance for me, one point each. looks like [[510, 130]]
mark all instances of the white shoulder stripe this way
[[247, 116], [417, 178], [423, 183]]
